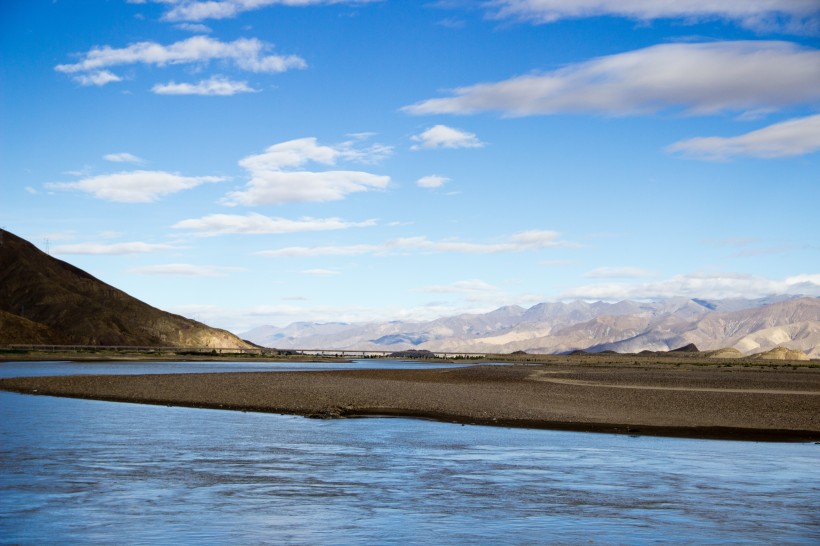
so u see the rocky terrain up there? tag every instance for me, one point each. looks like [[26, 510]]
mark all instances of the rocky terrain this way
[[44, 300], [747, 327]]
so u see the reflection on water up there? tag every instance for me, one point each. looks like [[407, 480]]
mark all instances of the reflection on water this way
[[31, 369], [101, 472]]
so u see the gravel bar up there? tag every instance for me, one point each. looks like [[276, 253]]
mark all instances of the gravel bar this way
[[742, 403]]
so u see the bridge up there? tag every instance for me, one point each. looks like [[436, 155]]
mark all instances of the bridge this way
[[258, 351]]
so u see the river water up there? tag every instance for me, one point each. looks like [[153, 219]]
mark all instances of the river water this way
[[80, 471]]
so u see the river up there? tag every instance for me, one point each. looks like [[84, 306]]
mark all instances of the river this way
[[81, 471]]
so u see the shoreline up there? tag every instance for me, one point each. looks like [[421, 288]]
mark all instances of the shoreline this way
[[588, 359], [760, 404]]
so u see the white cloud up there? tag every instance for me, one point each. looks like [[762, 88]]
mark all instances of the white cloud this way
[[700, 79], [192, 10], [441, 136], [801, 16], [700, 285], [134, 186], [123, 157], [274, 180], [253, 223], [85, 171], [519, 242], [624, 272], [197, 28], [244, 53], [219, 86], [432, 181], [789, 138], [97, 77], [113, 248], [186, 270]]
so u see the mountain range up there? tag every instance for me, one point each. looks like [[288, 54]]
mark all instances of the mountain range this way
[[749, 326], [44, 300]]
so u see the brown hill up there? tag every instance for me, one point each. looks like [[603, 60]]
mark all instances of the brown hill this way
[[781, 353], [46, 300]]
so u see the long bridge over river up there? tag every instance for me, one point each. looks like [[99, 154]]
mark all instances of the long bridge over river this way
[[255, 351]]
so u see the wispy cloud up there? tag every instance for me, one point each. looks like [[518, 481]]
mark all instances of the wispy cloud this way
[[798, 16], [134, 186], [245, 53], [98, 78], [785, 139], [432, 181], [196, 28], [275, 177], [123, 157], [698, 79], [193, 10], [519, 242], [253, 223], [186, 270], [701, 285], [112, 248], [442, 136], [218, 86], [623, 272], [468, 287]]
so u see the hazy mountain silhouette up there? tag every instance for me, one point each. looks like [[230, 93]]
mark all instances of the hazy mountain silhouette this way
[[749, 326]]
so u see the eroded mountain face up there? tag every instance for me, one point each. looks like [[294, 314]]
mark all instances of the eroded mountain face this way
[[46, 300]]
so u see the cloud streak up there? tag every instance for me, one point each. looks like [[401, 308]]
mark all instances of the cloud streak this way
[[697, 79], [192, 10], [625, 272], [134, 186], [786, 139], [519, 242], [186, 270], [466, 287], [216, 86], [700, 285], [110, 249], [798, 16], [123, 157], [244, 53], [258, 224]]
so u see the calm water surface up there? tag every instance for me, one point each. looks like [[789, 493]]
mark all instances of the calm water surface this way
[[31, 369], [79, 471]]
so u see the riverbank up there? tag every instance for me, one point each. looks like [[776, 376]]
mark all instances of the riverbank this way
[[125, 356], [744, 403]]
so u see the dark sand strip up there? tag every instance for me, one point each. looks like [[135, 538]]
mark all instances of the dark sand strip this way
[[684, 401]]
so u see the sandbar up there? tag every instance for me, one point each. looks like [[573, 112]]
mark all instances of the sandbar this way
[[715, 402]]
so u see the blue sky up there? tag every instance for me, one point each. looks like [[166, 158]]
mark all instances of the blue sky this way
[[249, 162]]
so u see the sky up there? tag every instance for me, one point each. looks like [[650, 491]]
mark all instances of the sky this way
[[262, 162]]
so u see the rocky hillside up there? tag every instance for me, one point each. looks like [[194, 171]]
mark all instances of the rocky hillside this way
[[748, 326], [45, 300]]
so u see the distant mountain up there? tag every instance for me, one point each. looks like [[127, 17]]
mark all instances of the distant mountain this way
[[749, 326], [46, 300]]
